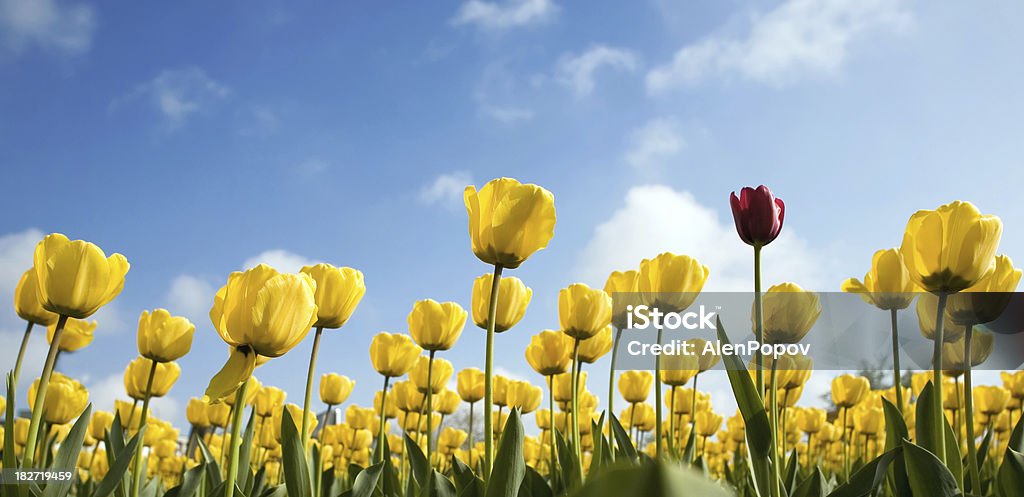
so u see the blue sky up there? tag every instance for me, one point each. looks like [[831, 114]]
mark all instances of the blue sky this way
[[199, 138]]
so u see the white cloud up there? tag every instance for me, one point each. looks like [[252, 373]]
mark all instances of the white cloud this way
[[494, 93], [798, 38], [656, 219], [279, 259], [103, 393], [48, 24], [16, 251], [653, 144], [190, 296], [577, 71], [178, 94], [508, 14], [446, 189]]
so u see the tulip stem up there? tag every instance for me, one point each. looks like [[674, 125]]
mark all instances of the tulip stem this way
[[575, 415], [380, 431], [672, 420], [430, 410], [774, 413], [44, 382], [471, 430], [21, 351], [693, 408], [972, 451], [897, 373], [759, 322], [309, 386], [657, 400], [551, 428], [939, 442], [492, 315], [611, 388], [137, 468], [846, 446], [236, 423]]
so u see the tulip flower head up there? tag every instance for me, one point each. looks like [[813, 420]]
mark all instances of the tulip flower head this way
[[789, 313], [671, 282], [988, 298], [509, 221], [75, 278], [163, 337], [136, 375], [596, 346], [338, 292], [393, 354], [951, 248], [625, 284], [758, 215], [439, 375], [887, 285], [582, 311], [549, 352], [848, 390], [635, 386], [267, 399], [335, 388], [513, 299], [470, 384], [26, 301], [77, 334], [66, 398], [435, 325], [196, 411]]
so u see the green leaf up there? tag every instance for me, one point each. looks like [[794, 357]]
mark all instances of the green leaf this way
[[466, 483], [1017, 436], [366, 480], [119, 467], [509, 466], [10, 458], [417, 461], [895, 432], [190, 481], [868, 477], [571, 478], [789, 480], [67, 455], [1009, 479], [954, 462], [213, 478], [927, 425], [438, 486], [691, 442], [813, 486], [758, 428], [984, 447], [296, 471], [245, 476], [927, 475], [622, 441], [654, 478], [534, 485]]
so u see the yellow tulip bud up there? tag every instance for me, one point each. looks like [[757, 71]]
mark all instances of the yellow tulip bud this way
[[77, 334], [268, 399], [887, 285], [26, 301], [513, 299], [583, 311], [637, 415], [509, 221], [359, 418], [848, 390], [393, 355], [635, 386], [436, 326], [100, 423], [596, 346], [789, 313], [990, 400], [196, 411], [1014, 382], [670, 282], [523, 395], [440, 373], [338, 293], [21, 426], [335, 388], [162, 337], [951, 248], [549, 352], [66, 398], [470, 384], [75, 278], [136, 376], [622, 282]]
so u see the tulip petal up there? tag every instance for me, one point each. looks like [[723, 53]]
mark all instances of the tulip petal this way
[[235, 372]]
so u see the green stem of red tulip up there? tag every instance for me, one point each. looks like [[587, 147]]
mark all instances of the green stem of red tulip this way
[[611, 389], [380, 430], [309, 387], [137, 468], [575, 415], [44, 382], [657, 400], [430, 410], [939, 441], [236, 423], [972, 451], [492, 315], [21, 351], [773, 410], [759, 322], [897, 373]]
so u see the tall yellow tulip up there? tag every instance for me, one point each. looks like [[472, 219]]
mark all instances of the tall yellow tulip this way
[[623, 284], [513, 299], [435, 325], [549, 352], [335, 388], [392, 355]]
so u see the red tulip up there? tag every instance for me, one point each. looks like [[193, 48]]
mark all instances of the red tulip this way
[[758, 215]]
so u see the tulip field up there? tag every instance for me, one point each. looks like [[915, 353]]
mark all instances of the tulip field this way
[[935, 435]]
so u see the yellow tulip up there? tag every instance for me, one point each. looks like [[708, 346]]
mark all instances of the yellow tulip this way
[[75, 278], [927, 310], [436, 326], [635, 386], [596, 346], [513, 299], [562, 386], [21, 430], [452, 438], [470, 384], [523, 395], [623, 283], [707, 423], [439, 375], [197, 413], [887, 285], [136, 375], [393, 355], [637, 416], [66, 398], [678, 369], [1014, 382], [26, 301], [953, 353], [798, 369], [869, 421], [335, 388], [100, 423], [359, 418], [338, 292], [77, 334], [670, 282], [951, 248], [447, 402], [407, 396], [254, 386], [268, 399], [390, 407], [990, 400], [129, 414], [259, 312], [509, 221], [583, 311], [163, 337], [549, 352], [706, 359], [848, 390], [987, 299], [811, 419], [296, 414], [789, 313], [500, 391]]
